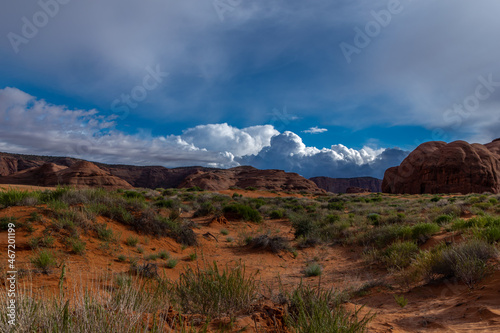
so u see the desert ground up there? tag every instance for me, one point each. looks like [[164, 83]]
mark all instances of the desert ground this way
[[379, 263]]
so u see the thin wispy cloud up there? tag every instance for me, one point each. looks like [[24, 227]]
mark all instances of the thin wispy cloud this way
[[315, 130]]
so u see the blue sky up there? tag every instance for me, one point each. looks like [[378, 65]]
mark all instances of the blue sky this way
[[322, 88]]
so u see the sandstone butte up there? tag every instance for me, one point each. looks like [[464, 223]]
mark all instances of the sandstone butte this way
[[437, 167]]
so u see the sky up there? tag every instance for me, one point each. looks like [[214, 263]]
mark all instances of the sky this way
[[343, 88]]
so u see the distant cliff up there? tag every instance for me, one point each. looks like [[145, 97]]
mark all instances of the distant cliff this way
[[340, 185]]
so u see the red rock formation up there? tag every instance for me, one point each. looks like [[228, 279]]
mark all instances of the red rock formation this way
[[245, 176], [79, 174], [340, 185], [357, 190], [437, 167]]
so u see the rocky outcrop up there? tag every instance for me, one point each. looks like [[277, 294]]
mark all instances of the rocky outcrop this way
[[340, 185], [50, 171], [246, 176], [438, 167], [357, 190], [79, 174]]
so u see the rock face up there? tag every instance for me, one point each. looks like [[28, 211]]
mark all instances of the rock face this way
[[79, 174], [50, 171], [246, 176], [340, 185], [437, 167], [357, 190]]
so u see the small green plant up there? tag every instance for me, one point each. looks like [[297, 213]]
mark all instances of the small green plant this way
[[401, 300], [193, 256], [152, 257], [44, 260], [140, 249], [122, 258], [164, 255], [313, 270], [77, 246], [104, 233], [132, 241], [225, 232], [229, 239], [171, 263]]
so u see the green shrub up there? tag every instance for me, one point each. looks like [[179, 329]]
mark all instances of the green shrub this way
[[338, 205], [423, 231], [5, 221], [443, 219], [104, 233], [374, 218], [243, 212], [401, 300], [310, 310], [224, 232], [164, 255], [122, 258], [206, 208], [132, 241], [277, 214], [491, 234], [171, 263], [214, 292], [466, 261], [313, 270], [12, 197], [436, 198], [36, 242], [77, 246], [400, 254], [44, 260]]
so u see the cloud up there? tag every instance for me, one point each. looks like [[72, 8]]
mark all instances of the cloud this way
[[33, 126], [222, 137], [315, 130], [287, 151]]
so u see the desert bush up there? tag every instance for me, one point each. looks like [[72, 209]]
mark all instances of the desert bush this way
[[42, 241], [311, 310], [243, 212], [104, 232], [77, 246], [374, 218], [171, 263], [43, 260], [386, 234], [443, 219], [12, 197], [467, 261], [5, 221], [214, 292], [490, 234], [206, 208], [132, 241], [313, 269], [423, 231], [277, 214], [273, 244], [163, 255], [400, 254], [336, 205]]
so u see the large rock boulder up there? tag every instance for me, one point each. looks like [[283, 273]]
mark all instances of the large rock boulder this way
[[438, 167]]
